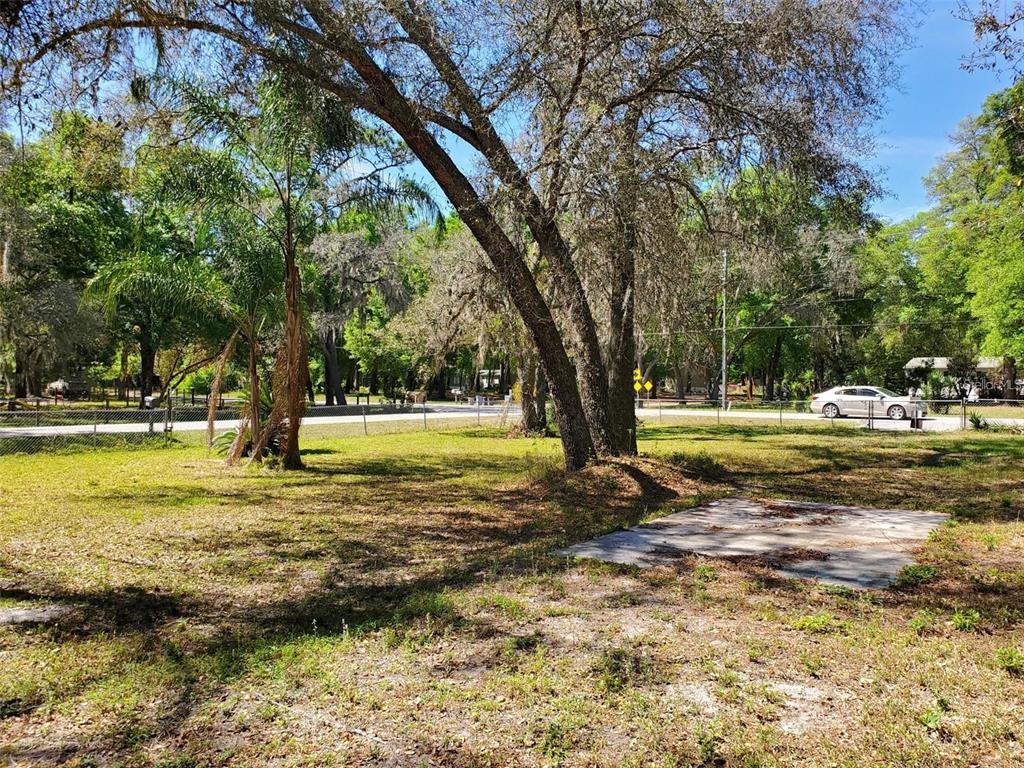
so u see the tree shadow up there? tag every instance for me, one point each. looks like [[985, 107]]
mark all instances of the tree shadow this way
[[388, 539]]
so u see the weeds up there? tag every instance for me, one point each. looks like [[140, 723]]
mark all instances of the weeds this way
[[620, 667], [967, 620], [1011, 660], [819, 623], [915, 574]]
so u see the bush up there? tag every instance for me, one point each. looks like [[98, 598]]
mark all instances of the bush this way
[[977, 420], [916, 574], [1010, 659], [819, 623], [966, 620]]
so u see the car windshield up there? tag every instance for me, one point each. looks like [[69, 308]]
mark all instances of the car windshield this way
[[887, 392]]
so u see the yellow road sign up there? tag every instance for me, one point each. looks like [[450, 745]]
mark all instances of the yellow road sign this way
[[637, 375], [636, 385], [648, 385]]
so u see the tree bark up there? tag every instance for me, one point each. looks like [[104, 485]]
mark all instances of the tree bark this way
[[533, 396], [773, 370], [147, 367], [591, 374], [254, 396], [394, 109], [295, 351], [22, 375], [333, 391]]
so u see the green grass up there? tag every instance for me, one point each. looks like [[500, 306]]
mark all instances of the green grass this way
[[397, 603]]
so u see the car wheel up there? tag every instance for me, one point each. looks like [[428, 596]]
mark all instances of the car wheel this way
[[830, 410], [897, 413]]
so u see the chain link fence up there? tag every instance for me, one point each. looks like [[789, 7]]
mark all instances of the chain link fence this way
[[33, 430], [924, 415], [51, 428]]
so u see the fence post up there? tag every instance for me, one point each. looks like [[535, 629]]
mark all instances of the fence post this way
[[963, 413], [424, 414], [659, 411], [780, 413], [478, 410], [365, 432]]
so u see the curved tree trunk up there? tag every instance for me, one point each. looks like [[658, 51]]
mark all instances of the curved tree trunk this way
[[509, 264]]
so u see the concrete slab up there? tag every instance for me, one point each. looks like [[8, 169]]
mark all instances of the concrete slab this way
[[39, 615], [848, 546]]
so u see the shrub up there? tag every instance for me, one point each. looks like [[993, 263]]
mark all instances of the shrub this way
[[921, 621], [1010, 659], [703, 574], [916, 574], [977, 420], [819, 623], [966, 620]]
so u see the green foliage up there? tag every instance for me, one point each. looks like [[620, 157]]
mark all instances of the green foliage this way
[[922, 621], [819, 623], [966, 620], [377, 345], [916, 573], [1011, 659]]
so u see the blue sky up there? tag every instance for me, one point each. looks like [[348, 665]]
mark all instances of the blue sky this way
[[935, 94]]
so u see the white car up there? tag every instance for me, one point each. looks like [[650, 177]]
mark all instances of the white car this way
[[867, 401]]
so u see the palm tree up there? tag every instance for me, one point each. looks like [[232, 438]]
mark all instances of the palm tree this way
[[163, 293], [251, 269], [281, 159]]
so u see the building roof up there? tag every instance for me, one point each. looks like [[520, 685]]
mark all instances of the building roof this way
[[942, 363]]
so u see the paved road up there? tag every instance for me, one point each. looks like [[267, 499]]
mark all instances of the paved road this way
[[434, 413], [450, 412], [929, 424]]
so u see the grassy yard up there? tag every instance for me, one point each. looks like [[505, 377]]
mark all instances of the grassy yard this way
[[396, 605]]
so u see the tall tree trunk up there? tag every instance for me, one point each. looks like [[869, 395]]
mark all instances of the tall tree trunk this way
[[297, 369], [393, 108], [1009, 378], [147, 367], [21, 375], [773, 369], [622, 351], [254, 395], [333, 392], [680, 377]]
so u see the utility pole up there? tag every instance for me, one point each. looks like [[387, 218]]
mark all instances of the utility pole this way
[[725, 273]]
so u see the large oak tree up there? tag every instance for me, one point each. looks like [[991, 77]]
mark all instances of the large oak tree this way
[[530, 87]]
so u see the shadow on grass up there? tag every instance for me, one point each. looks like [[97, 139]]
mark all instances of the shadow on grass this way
[[388, 538]]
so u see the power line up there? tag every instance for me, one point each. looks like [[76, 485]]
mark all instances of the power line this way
[[830, 326]]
